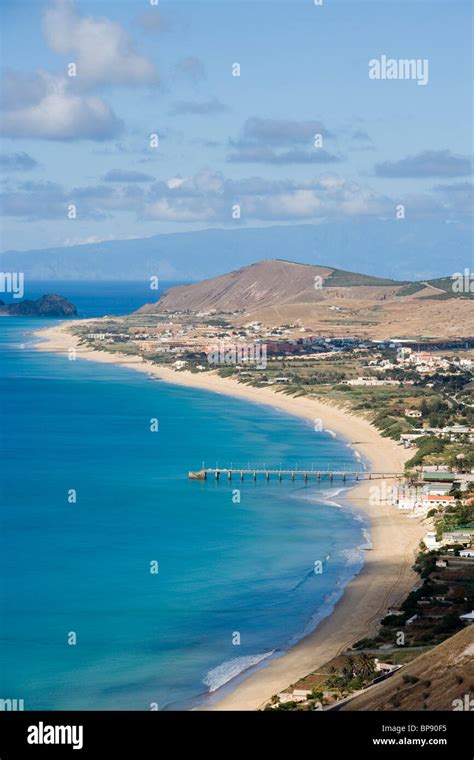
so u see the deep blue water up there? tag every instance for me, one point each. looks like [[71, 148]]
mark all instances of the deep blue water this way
[[225, 568]]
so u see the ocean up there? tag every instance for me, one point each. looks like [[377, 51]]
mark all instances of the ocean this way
[[124, 584]]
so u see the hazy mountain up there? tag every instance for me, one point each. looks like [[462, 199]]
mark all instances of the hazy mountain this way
[[400, 249]]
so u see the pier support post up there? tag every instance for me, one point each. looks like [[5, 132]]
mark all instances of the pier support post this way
[[217, 474], [229, 475], [267, 475], [255, 476], [242, 476]]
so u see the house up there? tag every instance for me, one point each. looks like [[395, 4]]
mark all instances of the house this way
[[467, 552], [441, 563], [437, 489], [179, 364], [468, 617], [384, 667], [300, 695], [433, 501], [285, 696], [430, 541], [408, 439], [407, 502], [297, 695], [463, 536], [371, 381], [438, 477]]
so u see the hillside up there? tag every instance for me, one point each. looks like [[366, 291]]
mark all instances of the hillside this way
[[432, 681], [325, 300], [387, 248], [46, 306]]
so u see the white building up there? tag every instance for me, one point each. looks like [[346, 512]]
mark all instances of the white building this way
[[436, 502], [437, 489], [408, 503], [430, 541]]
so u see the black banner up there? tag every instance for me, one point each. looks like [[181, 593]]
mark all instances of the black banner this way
[[109, 734]]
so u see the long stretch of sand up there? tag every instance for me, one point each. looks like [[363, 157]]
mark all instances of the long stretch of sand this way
[[387, 575]]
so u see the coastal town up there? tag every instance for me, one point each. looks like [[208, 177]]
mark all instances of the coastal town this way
[[418, 393], [410, 388], [439, 606]]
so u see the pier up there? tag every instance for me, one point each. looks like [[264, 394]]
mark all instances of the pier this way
[[231, 473]]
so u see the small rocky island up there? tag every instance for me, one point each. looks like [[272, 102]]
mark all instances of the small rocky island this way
[[46, 306]]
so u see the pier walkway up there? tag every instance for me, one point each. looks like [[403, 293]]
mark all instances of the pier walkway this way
[[230, 473]]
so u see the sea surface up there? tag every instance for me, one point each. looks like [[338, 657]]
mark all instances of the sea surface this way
[[124, 585]]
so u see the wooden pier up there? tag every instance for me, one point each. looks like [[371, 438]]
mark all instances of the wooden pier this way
[[230, 473]]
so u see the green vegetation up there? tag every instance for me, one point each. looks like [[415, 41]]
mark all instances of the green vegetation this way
[[411, 289], [339, 278]]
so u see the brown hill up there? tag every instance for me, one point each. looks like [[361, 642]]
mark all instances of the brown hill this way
[[327, 301], [432, 681], [267, 283]]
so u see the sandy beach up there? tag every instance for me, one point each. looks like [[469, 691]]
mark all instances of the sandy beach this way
[[387, 575]]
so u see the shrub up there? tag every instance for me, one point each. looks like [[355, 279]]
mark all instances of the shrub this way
[[410, 679]]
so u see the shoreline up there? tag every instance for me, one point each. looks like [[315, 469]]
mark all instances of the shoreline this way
[[386, 576]]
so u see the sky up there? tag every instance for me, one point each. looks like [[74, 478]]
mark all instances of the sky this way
[[85, 84]]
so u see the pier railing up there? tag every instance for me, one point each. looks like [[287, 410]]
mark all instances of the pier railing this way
[[241, 473]]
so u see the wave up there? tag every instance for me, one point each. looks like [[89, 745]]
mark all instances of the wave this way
[[222, 674]]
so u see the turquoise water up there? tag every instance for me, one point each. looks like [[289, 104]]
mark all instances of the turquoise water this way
[[225, 568]]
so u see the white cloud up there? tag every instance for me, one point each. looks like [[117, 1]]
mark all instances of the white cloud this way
[[175, 182], [299, 204], [52, 111], [209, 197], [101, 49]]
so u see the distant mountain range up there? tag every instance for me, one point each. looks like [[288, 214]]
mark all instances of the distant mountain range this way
[[400, 249]]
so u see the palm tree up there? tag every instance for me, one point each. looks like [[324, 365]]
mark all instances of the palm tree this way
[[365, 664]]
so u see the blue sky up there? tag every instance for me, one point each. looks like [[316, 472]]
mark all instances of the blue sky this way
[[225, 140]]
